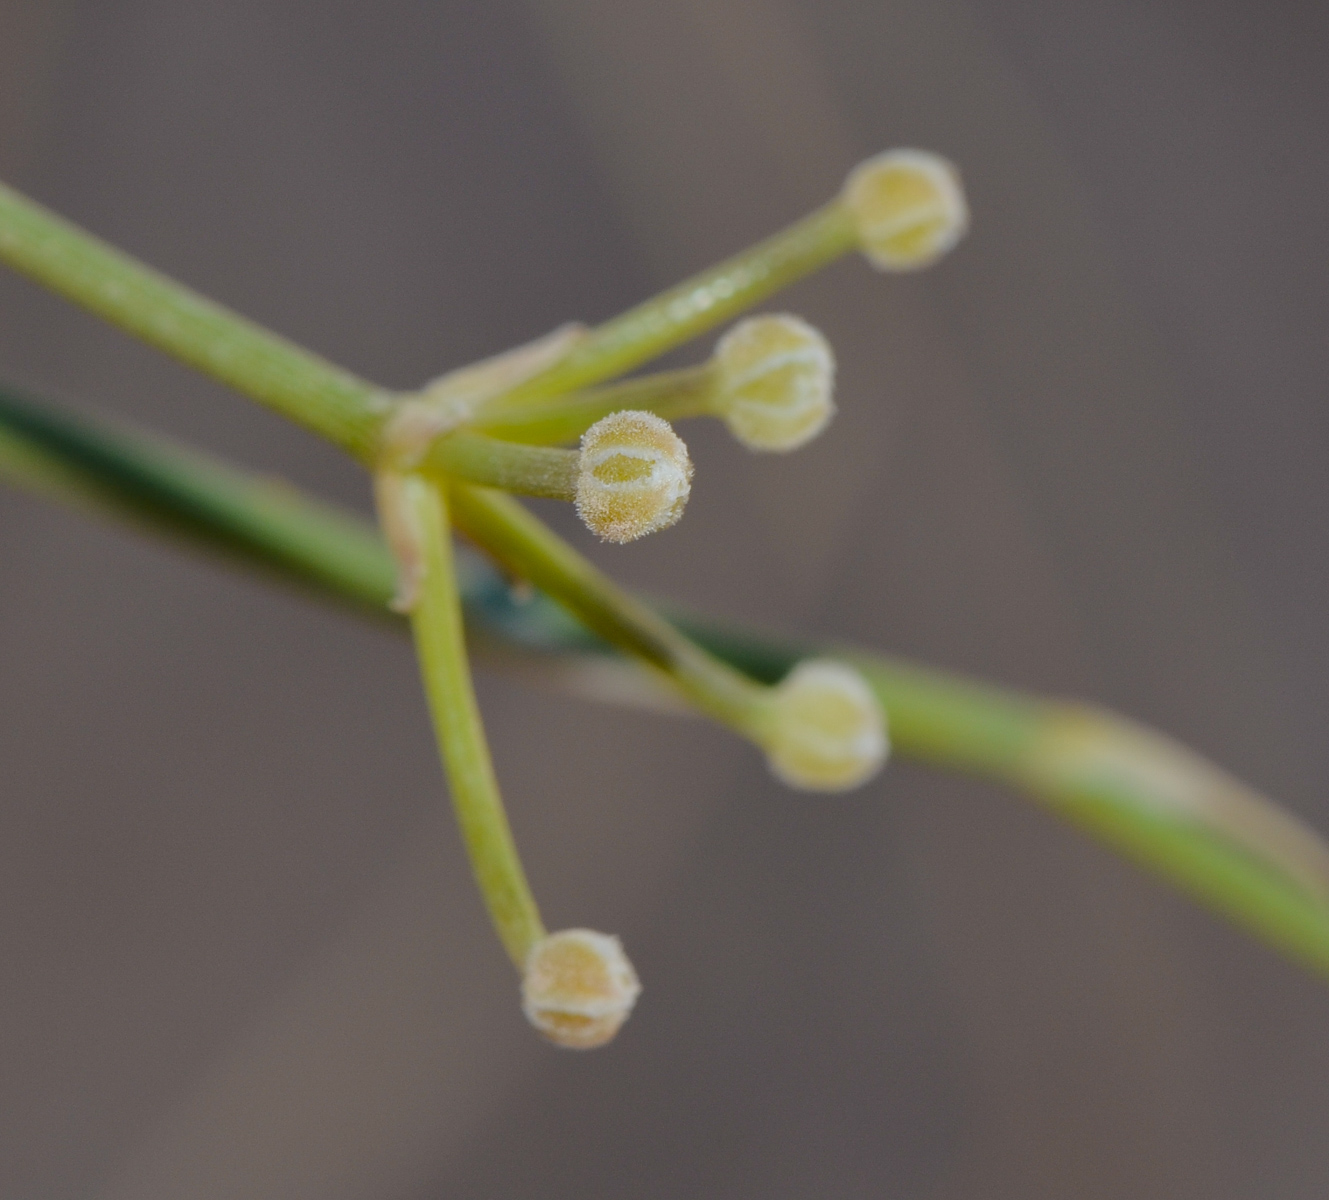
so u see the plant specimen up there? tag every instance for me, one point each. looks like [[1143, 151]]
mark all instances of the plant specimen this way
[[564, 417]]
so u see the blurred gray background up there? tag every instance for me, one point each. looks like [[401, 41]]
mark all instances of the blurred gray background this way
[[242, 954]]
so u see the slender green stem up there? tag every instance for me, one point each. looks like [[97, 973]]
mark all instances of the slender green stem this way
[[491, 462], [534, 552], [95, 465], [440, 644], [672, 395], [700, 303], [351, 411], [1132, 790], [296, 383], [1178, 815]]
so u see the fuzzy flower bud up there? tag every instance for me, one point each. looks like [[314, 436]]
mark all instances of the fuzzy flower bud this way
[[775, 375], [579, 988], [909, 208], [829, 732], [634, 476]]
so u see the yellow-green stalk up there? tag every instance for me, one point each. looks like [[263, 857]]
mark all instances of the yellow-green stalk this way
[[825, 737], [415, 514]]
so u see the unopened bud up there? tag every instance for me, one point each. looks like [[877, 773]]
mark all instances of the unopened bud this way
[[634, 476], [578, 988], [909, 207], [829, 732], [775, 379]]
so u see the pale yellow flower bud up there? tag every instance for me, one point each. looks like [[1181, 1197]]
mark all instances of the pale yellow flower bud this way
[[634, 476], [909, 208], [578, 988], [828, 730], [774, 380]]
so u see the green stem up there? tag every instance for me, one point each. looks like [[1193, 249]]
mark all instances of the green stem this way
[[700, 303], [672, 395], [95, 465], [533, 552], [528, 470], [116, 287], [1137, 792], [440, 644], [350, 411]]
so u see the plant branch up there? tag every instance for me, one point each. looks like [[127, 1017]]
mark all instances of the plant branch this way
[[296, 383], [1135, 791], [99, 466], [531, 551], [697, 304], [528, 470], [673, 395], [335, 403], [436, 622]]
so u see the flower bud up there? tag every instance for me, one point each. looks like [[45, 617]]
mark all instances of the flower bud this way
[[829, 732], [774, 382], [634, 476], [579, 988], [908, 206]]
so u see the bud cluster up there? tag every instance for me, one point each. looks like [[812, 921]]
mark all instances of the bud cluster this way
[[506, 426]]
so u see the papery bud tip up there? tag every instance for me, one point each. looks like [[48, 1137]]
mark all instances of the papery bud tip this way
[[829, 731], [578, 988], [775, 379], [634, 476], [908, 206]]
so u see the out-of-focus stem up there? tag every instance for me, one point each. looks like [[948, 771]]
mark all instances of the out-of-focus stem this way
[[104, 467]]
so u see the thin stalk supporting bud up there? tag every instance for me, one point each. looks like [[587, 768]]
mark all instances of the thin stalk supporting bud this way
[[631, 476], [770, 380], [546, 471], [578, 988], [687, 392], [908, 208], [634, 476], [415, 514], [821, 728]]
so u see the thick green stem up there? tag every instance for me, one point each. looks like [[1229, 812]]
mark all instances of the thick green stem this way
[[440, 644], [301, 386]]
